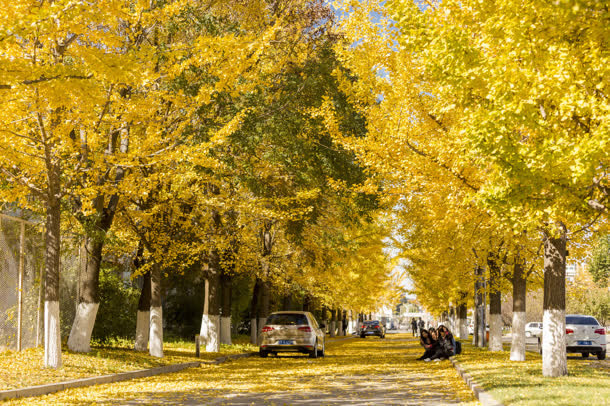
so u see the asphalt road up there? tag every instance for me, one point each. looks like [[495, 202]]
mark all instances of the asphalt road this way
[[355, 371]]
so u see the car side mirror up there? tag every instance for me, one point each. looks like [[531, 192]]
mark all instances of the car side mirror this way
[[322, 325]]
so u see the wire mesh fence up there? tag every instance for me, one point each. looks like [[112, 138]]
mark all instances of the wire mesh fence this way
[[21, 290], [22, 284]]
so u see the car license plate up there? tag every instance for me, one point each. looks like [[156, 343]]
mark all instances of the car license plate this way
[[286, 342], [584, 343]]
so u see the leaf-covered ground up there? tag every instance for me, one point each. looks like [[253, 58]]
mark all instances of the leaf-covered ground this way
[[363, 371], [522, 383], [25, 368]]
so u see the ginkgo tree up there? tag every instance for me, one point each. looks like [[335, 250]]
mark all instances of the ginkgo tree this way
[[88, 93], [62, 63], [513, 117]]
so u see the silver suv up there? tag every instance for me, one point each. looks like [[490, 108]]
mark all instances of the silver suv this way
[[292, 332], [584, 335]]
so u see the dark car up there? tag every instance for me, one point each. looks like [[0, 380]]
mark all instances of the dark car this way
[[372, 328]]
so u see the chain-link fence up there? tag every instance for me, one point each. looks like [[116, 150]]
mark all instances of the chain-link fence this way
[[21, 291]]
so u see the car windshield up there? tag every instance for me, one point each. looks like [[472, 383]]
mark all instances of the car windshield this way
[[371, 323], [586, 320], [287, 319]]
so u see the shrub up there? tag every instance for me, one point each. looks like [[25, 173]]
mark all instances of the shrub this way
[[116, 317]]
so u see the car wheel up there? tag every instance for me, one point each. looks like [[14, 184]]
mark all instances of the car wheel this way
[[314, 353], [262, 353], [585, 355], [528, 334], [601, 355], [362, 336]]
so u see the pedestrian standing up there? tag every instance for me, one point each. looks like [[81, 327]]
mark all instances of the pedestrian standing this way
[[421, 325], [414, 326]]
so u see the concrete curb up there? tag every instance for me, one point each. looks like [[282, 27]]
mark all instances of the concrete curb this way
[[41, 390], [484, 397]]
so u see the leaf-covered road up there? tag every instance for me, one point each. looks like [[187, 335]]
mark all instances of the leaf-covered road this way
[[355, 371]]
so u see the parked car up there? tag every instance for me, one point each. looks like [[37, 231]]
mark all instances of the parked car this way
[[292, 332], [584, 335], [372, 328], [533, 329]]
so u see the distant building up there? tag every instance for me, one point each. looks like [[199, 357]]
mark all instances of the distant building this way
[[573, 270], [570, 272]]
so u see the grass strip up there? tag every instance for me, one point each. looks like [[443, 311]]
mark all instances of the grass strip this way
[[522, 383], [25, 368]]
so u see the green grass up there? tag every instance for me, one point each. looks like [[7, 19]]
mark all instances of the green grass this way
[[522, 383], [25, 368]]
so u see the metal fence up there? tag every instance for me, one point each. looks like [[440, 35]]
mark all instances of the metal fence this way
[[21, 290]]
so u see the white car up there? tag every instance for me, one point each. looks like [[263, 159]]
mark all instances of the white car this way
[[292, 332], [585, 335], [533, 329]]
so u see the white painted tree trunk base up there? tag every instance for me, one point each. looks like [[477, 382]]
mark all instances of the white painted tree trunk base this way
[[253, 332], [333, 328], [225, 330], [495, 332], [156, 332], [52, 338], [210, 332], [259, 327], [554, 357], [463, 329], [82, 327], [517, 346], [142, 330]]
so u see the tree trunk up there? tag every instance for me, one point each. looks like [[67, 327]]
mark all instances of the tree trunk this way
[[452, 322], [333, 323], [96, 227], [483, 316], [254, 311], [495, 305], [264, 306], [156, 312], [143, 319], [225, 321], [517, 347], [462, 311], [478, 338], [307, 307], [52, 338], [88, 300], [554, 357], [287, 301], [210, 321], [348, 316], [339, 322]]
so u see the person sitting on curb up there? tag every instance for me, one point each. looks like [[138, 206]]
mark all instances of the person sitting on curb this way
[[428, 343], [446, 345]]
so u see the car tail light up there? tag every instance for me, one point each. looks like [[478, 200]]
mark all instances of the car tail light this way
[[266, 329], [600, 331], [376, 326], [569, 331], [306, 329], [363, 326]]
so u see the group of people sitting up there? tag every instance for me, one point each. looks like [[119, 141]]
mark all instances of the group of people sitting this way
[[438, 344]]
